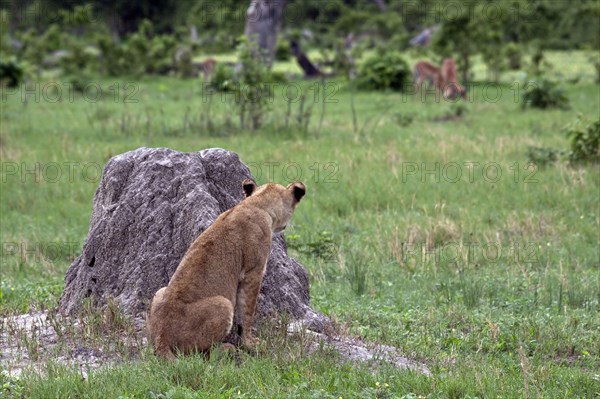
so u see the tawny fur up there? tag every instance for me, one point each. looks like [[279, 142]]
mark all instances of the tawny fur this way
[[442, 79], [424, 71], [452, 89], [208, 67], [219, 278]]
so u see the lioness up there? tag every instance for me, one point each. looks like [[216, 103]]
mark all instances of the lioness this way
[[220, 275]]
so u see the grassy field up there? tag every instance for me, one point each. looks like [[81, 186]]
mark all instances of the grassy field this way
[[424, 227]]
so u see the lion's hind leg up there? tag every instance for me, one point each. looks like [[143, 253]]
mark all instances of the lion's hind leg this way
[[155, 325], [207, 321]]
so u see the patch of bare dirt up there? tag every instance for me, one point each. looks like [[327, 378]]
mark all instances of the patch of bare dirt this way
[[27, 341]]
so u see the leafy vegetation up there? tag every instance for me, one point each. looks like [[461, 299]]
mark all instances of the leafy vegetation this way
[[149, 38], [585, 141], [513, 55], [11, 73], [223, 80], [253, 90], [322, 245], [384, 71], [543, 156], [283, 52], [544, 93]]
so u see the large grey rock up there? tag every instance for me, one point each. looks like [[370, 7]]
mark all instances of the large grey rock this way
[[150, 205]]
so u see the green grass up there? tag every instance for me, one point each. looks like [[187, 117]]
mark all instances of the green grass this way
[[414, 260]]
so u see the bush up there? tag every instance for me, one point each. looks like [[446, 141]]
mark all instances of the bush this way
[[277, 77], [151, 53], [383, 72], [544, 94], [543, 156], [253, 99], [116, 61], [321, 246], [283, 52], [585, 141], [78, 64], [11, 72], [512, 53], [35, 47], [223, 79]]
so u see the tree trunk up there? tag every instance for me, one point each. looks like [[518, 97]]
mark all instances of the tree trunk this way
[[263, 21], [467, 66]]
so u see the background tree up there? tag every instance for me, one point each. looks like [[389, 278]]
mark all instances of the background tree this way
[[558, 24], [459, 35], [263, 22], [477, 29], [491, 37]]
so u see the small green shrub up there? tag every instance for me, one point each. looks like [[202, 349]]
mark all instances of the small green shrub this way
[[320, 246], [541, 156], [585, 141], [277, 77], [35, 47], [149, 52], [253, 99], [144, 52], [544, 94], [283, 51], [513, 54], [160, 57], [115, 60], [388, 71], [78, 64], [223, 79], [10, 387]]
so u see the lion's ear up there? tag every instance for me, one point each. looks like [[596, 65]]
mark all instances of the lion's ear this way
[[249, 187], [298, 189]]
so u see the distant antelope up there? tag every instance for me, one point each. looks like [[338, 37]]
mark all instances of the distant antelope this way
[[207, 67], [427, 72], [444, 79], [452, 89]]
